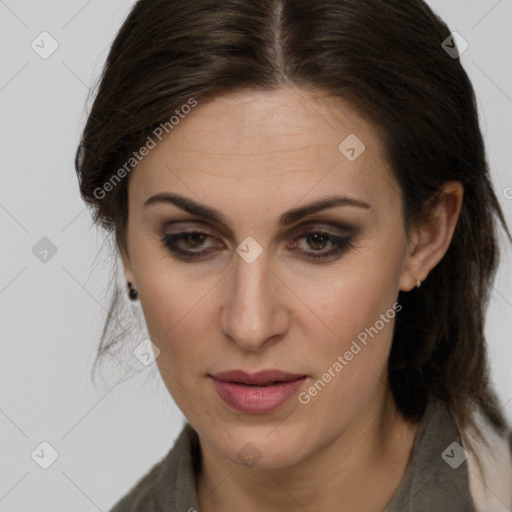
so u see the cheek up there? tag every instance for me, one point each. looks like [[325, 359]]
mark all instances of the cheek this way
[[357, 308], [352, 361], [174, 309], [176, 316], [360, 322], [352, 298], [172, 299], [169, 290]]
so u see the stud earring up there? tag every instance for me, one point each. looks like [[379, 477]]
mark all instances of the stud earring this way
[[132, 292], [418, 284]]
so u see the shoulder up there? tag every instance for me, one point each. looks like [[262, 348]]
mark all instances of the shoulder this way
[[490, 481], [142, 496], [168, 483]]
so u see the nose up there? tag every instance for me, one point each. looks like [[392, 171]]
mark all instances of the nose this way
[[255, 308]]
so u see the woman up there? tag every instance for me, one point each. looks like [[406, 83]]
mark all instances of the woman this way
[[301, 201]]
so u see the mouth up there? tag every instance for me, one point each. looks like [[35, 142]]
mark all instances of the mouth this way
[[261, 379], [259, 393], [260, 385]]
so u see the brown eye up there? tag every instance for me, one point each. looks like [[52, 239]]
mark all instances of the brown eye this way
[[191, 245], [318, 240], [194, 239], [181, 243]]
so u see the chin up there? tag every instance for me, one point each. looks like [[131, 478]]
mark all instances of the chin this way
[[264, 447]]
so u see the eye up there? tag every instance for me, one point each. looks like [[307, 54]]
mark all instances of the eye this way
[[317, 240], [192, 245], [191, 240]]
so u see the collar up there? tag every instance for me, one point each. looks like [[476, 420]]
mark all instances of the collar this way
[[431, 481]]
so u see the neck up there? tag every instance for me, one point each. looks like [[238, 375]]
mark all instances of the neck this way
[[360, 470]]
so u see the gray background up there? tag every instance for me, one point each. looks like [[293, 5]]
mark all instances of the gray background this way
[[109, 435]]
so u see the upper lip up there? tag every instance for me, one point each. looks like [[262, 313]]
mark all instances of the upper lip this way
[[259, 378]]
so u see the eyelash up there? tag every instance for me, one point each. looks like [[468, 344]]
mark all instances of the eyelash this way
[[341, 244]]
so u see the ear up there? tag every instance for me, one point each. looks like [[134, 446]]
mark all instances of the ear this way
[[429, 241], [127, 269]]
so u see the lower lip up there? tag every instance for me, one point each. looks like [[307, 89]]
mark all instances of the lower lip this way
[[257, 399]]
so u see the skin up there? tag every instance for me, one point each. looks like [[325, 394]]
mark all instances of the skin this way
[[254, 155]]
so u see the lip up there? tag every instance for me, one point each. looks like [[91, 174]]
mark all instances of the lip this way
[[252, 394], [259, 378]]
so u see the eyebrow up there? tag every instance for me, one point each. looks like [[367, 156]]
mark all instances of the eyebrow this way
[[288, 217]]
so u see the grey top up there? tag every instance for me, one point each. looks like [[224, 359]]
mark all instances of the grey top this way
[[430, 484]]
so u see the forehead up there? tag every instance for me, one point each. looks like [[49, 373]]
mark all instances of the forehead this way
[[279, 144]]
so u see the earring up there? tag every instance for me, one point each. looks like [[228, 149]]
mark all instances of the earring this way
[[132, 292], [418, 284]]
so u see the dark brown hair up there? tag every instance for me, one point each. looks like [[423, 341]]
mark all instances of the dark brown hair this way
[[386, 58]]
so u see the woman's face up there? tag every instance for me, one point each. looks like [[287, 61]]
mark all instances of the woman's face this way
[[262, 287]]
